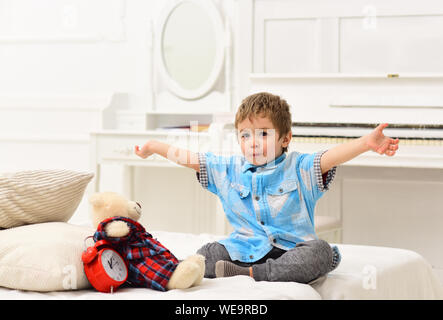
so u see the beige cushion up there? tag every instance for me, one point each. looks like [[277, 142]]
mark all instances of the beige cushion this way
[[40, 196], [326, 223], [43, 257]]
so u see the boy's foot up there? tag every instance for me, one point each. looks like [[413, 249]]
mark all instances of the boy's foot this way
[[229, 269]]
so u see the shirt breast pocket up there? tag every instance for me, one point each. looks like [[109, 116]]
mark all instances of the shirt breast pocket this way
[[238, 198], [283, 198], [239, 190]]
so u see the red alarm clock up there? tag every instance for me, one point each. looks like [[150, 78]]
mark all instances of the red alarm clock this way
[[104, 267]]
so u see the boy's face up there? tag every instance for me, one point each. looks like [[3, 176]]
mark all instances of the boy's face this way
[[259, 140]]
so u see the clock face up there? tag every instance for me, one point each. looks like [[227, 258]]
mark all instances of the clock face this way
[[114, 265]]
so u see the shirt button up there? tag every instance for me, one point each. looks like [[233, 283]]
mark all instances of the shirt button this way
[[280, 190], [251, 256], [274, 240], [257, 198], [241, 194], [262, 222]]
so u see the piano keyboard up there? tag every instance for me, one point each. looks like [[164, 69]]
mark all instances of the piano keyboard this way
[[339, 140], [332, 133], [420, 146]]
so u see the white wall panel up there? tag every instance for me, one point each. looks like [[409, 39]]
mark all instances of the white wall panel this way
[[347, 37], [393, 44], [62, 20], [298, 52]]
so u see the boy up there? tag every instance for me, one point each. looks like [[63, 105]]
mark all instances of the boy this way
[[268, 196]]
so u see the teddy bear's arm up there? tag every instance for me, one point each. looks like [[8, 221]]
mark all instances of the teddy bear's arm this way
[[117, 229]]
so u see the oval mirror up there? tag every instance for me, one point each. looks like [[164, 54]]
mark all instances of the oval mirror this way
[[191, 47]]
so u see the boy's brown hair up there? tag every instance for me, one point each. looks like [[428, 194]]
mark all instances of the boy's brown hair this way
[[264, 104]]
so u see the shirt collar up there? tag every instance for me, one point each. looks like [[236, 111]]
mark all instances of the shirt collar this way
[[270, 165]]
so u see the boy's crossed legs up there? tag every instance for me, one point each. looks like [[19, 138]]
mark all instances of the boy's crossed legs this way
[[306, 262]]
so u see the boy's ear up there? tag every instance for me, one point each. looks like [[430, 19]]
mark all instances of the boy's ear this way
[[287, 139]]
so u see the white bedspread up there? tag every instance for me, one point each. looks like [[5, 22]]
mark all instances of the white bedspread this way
[[368, 272], [234, 288], [365, 272]]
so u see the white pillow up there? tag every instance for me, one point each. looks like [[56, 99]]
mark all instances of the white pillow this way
[[38, 196], [43, 257]]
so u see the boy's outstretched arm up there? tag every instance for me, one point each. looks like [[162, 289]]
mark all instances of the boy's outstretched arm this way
[[182, 157], [375, 141]]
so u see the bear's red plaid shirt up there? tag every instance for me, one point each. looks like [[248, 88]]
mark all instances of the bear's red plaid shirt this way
[[150, 264]]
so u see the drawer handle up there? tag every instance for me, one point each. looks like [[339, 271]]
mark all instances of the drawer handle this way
[[124, 151]]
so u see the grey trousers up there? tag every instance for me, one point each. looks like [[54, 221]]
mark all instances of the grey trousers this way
[[306, 262]]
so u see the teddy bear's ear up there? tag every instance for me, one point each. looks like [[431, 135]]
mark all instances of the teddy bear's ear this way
[[96, 200], [134, 210]]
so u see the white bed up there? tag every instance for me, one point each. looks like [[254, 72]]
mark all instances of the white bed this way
[[365, 272]]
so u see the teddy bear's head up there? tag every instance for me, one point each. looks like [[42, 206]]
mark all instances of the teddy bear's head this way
[[110, 204]]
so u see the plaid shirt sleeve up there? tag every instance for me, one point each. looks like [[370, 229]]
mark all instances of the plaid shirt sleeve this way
[[202, 176], [213, 171], [313, 181], [323, 180]]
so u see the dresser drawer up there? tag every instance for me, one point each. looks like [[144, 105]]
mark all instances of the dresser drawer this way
[[113, 147], [120, 146]]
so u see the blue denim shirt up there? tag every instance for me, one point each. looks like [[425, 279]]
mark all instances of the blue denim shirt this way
[[268, 205]]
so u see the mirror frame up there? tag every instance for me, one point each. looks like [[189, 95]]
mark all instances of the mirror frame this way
[[217, 21]]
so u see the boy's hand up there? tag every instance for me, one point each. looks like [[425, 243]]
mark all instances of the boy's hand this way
[[182, 157], [145, 151], [378, 142], [375, 141]]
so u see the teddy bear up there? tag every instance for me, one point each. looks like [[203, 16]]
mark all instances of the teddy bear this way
[[115, 217]]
